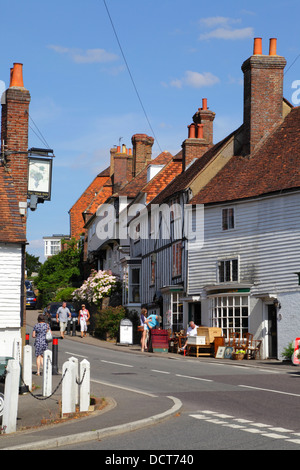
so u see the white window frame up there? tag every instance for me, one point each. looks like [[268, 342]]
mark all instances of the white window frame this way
[[228, 216], [228, 264], [231, 312]]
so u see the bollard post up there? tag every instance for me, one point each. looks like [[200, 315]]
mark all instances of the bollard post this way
[[76, 387], [55, 356], [47, 373], [27, 366], [68, 388], [68, 327], [26, 339], [85, 393], [73, 327], [11, 396]]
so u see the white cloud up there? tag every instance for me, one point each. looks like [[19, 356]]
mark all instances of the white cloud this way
[[88, 56], [224, 33], [223, 29], [195, 80], [213, 21]]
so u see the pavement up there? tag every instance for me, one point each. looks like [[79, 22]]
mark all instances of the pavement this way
[[40, 425]]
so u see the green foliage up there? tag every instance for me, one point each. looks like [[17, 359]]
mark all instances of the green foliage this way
[[59, 271], [107, 321], [32, 264], [288, 352], [64, 294]]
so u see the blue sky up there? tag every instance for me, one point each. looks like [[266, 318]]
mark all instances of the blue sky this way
[[82, 97]]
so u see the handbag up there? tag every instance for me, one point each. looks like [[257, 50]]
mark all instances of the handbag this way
[[48, 336], [140, 328]]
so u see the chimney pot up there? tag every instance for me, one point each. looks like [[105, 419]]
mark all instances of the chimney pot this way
[[273, 45], [200, 131], [204, 104], [192, 131], [17, 76], [118, 149], [257, 49]]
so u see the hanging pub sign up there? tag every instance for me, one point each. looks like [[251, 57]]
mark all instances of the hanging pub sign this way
[[39, 177]]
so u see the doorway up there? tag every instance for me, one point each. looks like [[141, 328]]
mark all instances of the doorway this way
[[195, 313], [272, 332]]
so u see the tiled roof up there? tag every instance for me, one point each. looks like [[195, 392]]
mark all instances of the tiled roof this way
[[272, 168], [136, 185], [184, 179], [12, 228], [162, 179]]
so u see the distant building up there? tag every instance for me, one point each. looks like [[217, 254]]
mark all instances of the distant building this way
[[53, 244]]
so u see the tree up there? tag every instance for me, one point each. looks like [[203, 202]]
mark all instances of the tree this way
[[32, 264], [61, 270]]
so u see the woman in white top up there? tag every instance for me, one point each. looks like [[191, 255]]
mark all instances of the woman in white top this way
[[83, 317]]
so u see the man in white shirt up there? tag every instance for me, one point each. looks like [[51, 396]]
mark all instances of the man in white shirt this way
[[191, 331]]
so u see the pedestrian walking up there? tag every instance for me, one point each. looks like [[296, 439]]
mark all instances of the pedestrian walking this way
[[39, 333], [83, 318], [144, 329], [62, 316]]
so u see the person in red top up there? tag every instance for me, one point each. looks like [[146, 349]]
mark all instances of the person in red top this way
[[83, 317]]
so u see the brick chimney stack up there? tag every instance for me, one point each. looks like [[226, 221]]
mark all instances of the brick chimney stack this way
[[120, 166], [14, 130], [263, 94], [200, 135], [142, 151]]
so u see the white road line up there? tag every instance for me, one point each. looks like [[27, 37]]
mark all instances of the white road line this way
[[258, 428], [160, 371], [73, 354], [269, 390], [124, 388], [194, 378], [116, 363]]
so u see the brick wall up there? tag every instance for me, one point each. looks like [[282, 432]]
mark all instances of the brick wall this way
[[263, 95], [14, 133], [142, 151]]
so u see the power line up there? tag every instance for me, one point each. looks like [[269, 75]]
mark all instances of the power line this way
[[39, 134], [130, 74]]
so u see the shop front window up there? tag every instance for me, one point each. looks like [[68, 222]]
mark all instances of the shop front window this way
[[231, 313]]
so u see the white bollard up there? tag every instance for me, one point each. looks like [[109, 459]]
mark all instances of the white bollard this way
[[84, 376], [47, 373], [17, 349], [27, 366], [75, 360], [11, 396], [68, 404]]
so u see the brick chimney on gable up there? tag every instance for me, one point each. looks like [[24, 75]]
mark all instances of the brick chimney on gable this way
[[142, 151], [14, 130], [200, 135], [263, 94]]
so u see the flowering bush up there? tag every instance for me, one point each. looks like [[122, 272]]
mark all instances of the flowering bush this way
[[100, 284]]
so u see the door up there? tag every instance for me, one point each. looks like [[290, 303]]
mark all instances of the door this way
[[272, 331]]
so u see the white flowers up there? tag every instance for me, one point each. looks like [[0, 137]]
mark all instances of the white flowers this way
[[97, 286]]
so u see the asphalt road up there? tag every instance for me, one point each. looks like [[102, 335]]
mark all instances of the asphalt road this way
[[226, 404]]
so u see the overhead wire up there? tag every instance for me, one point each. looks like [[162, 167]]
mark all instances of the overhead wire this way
[[130, 74]]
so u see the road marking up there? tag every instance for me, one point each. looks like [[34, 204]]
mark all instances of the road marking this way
[[269, 390], [160, 371], [73, 354], [116, 363], [124, 388], [252, 427], [194, 378]]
